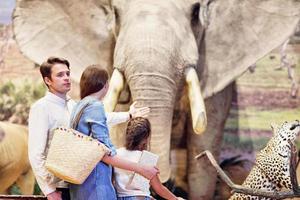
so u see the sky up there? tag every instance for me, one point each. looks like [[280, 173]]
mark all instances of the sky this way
[[6, 9]]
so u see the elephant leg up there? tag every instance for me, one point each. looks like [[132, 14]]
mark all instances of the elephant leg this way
[[201, 174], [8, 176], [26, 182]]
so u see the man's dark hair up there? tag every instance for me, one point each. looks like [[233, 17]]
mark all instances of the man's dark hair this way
[[92, 80], [138, 129], [46, 66]]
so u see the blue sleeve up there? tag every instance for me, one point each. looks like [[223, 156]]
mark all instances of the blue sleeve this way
[[96, 118]]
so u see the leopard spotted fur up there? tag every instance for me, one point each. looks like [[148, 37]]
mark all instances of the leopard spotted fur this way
[[271, 171]]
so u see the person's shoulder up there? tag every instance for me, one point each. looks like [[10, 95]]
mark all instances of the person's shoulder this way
[[39, 107], [40, 103], [96, 104]]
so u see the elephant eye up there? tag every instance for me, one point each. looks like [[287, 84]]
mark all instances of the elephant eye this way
[[195, 13]]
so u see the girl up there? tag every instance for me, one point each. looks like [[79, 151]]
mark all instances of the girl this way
[[98, 185], [137, 139]]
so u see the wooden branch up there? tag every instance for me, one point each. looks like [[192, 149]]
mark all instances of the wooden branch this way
[[217, 167], [245, 190], [293, 167]]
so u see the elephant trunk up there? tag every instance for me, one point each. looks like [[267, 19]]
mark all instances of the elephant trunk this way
[[152, 62], [156, 91]]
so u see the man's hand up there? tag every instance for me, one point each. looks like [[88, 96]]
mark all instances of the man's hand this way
[[54, 196], [138, 112], [149, 171]]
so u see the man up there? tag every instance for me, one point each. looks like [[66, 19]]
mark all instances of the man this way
[[51, 111]]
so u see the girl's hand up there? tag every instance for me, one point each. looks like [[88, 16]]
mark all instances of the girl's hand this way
[[148, 171]]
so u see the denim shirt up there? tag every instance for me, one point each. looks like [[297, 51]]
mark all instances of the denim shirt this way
[[98, 185], [93, 121]]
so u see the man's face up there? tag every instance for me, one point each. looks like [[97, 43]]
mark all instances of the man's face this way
[[60, 79]]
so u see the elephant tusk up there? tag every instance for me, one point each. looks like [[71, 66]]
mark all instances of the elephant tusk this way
[[199, 118], [116, 85]]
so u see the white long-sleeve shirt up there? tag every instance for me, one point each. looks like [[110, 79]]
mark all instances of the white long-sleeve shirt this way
[[45, 115]]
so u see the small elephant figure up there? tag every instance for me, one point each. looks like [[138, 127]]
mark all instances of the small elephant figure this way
[[159, 51], [14, 163]]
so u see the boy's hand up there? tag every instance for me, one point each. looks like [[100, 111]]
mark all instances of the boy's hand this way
[[54, 196], [138, 112], [149, 172]]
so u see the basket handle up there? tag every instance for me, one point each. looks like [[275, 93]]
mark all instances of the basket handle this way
[[77, 117]]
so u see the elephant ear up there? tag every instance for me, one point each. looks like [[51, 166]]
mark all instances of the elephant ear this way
[[239, 33], [72, 29]]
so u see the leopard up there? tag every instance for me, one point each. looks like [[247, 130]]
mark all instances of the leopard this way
[[271, 171]]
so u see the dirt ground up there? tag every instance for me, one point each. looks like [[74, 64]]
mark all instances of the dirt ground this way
[[265, 99]]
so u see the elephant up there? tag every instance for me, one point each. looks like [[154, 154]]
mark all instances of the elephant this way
[[14, 163], [158, 52]]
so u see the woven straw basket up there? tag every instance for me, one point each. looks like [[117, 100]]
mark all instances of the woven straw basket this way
[[72, 155]]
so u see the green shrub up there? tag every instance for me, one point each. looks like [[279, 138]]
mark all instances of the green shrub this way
[[16, 99], [15, 190]]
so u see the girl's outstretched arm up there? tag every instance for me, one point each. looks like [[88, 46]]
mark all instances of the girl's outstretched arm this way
[[161, 190], [147, 171]]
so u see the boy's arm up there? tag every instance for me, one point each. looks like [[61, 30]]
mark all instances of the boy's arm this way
[[161, 190], [37, 142], [116, 161], [114, 118]]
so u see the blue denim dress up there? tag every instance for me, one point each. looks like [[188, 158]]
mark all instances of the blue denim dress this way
[[98, 185]]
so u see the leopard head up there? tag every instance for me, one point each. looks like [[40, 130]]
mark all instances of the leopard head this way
[[287, 130]]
